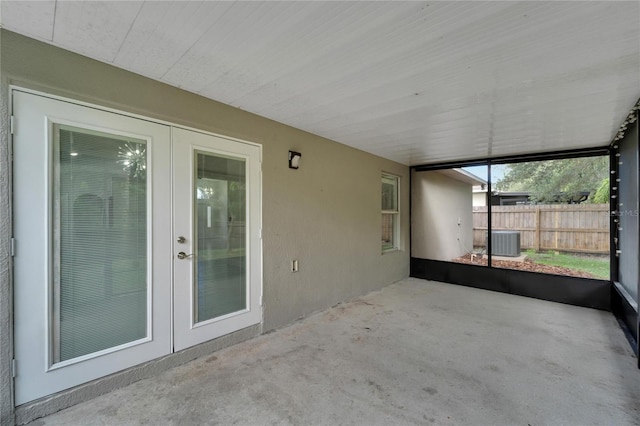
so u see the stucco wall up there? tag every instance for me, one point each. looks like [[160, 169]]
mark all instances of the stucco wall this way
[[6, 339], [479, 199], [438, 201], [326, 214]]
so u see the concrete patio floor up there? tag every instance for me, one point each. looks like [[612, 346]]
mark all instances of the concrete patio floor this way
[[416, 352]]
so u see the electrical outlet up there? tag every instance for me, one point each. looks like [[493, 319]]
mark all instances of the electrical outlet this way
[[294, 266]]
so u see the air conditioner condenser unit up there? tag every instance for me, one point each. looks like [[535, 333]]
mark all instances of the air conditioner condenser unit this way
[[505, 243]]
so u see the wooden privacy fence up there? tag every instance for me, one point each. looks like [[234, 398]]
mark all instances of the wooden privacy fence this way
[[582, 228]]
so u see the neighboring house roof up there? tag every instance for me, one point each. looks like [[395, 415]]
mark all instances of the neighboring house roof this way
[[463, 176], [504, 198]]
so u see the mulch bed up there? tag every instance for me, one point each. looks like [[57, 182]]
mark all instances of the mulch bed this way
[[527, 265]]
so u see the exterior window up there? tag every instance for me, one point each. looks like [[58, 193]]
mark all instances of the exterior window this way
[[390, 213]]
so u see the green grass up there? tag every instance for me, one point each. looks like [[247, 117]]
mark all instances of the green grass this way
[[596, 266]]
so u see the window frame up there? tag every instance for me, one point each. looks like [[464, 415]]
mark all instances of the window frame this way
[[395, 239]]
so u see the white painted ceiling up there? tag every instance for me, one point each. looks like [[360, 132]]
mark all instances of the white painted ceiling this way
[[415, 82]]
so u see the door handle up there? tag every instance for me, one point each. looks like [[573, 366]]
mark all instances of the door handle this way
[[183, 255]]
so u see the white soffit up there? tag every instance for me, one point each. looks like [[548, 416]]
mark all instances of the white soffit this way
[[462, 176], [415, 82]]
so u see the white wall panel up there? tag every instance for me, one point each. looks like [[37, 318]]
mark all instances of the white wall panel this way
[[31, 18], [163, 32], [94, 28], [447, 80]]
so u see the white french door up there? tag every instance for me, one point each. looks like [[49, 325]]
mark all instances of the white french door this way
[[97, 258], [91, 214], [217, 261]]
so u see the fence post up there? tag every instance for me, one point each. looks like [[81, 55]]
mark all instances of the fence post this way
[[555, 229], [536, 243]]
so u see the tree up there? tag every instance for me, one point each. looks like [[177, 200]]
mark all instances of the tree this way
[[556, 181], [602, 193]]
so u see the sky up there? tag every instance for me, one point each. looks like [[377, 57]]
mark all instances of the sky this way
[[497, 172]]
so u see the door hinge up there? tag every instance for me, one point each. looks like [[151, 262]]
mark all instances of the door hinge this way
[[14, 368], [11, 120], [13, 247], [260, 233]]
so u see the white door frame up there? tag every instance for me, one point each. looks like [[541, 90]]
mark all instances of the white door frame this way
[[162, 220]]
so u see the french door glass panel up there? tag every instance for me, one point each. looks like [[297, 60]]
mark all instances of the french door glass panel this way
[[100, 242], [220, 224]]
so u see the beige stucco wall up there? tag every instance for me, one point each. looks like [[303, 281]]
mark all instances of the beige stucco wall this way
[[479, 199], [326, 214], [6, 314], [438, 201]]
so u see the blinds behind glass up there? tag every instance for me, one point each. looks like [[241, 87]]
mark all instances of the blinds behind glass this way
[[220, 220], [99, 242]]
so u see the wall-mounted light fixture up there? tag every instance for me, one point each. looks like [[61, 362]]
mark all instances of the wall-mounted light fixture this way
[[294, 159]]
